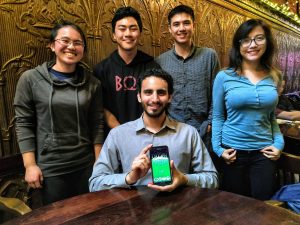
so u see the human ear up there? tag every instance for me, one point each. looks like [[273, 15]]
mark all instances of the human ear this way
[[139, 97]]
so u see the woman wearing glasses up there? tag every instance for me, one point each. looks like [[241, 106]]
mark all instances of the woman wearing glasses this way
[[244, 129], [59, 118]]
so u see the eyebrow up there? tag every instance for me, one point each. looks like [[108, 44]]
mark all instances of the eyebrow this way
[[123, 25]]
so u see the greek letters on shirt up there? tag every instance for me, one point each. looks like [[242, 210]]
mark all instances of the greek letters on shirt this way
[[126, 83]]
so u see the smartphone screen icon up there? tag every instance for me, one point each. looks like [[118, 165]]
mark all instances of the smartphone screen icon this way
[[160, 165]]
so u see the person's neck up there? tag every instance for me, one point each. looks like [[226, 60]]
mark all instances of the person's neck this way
[[154, 124], [127, 56], [254, 67], [64, 68], [183, 50]]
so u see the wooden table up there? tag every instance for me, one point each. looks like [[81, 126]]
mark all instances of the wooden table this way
[[145, 206]]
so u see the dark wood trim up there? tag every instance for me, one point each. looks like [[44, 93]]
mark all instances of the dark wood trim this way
[[11, 165]]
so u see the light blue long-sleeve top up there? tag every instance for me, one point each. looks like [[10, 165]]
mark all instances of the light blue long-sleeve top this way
[[126, 141], [243, 113]]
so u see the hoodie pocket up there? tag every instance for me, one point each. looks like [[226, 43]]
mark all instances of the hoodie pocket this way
[[63, 147]]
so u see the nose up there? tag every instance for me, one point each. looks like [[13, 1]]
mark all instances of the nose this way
[[127, 32], [182, 26], [71, 45], [155, 97], [252, 43]]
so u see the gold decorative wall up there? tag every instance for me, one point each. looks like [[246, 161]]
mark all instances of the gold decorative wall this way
[[25, 26]]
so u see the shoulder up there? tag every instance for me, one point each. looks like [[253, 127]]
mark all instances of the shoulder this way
[[226, 74], [124, 128], [166, 59], [207, 52], [184, 127], [165, 54], [143, 57], [92, 79], [34, 73], [106, 65], [107, 61]]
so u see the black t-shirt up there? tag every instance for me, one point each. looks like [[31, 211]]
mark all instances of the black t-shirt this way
[[119, 84]]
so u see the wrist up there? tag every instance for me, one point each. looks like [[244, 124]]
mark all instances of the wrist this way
[[29, 165], [129, 180], [185, 180]]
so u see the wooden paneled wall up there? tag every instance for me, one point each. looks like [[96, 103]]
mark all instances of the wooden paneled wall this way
[[25, 26]]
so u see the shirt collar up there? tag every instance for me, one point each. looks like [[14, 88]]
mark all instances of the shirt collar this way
[[169, 123], [192, 52]]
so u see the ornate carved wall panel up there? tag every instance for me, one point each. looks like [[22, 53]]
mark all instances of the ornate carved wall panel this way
[[25, 26]]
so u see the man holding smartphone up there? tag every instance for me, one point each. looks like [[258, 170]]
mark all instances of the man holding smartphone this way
[[124, 159]]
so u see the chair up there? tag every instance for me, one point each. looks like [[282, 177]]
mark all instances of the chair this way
[[14, 191], [14, 205], [288, 169], [13, 198], [288, 173]]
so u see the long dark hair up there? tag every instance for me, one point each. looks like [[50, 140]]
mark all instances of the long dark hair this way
[[266, 61], [235, 57]]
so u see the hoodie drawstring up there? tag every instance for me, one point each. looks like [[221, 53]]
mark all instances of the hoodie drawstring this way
[[50, 110], [77, 111]]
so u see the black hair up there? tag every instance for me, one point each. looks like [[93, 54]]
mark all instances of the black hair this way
[[235, 57], [65, 23], [181, 9], [126, 12], [156, 72]]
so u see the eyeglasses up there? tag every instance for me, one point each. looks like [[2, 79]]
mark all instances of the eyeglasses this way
[[258, 40], [67, 42]]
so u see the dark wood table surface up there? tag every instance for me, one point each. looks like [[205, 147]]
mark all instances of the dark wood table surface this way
[[145, 206]]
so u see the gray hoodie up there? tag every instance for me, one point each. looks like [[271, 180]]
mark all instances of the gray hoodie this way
[[60, 120]]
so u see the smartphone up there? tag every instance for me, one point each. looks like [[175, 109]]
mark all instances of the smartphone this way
[[160, 165]]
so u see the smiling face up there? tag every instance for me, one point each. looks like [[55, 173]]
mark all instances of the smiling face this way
[[127, 34], [154, 96], [254, 51], [181, 28], [67, 55]]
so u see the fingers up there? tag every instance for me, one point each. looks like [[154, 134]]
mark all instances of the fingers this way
[[146, 149], [229, 155], [167, 188], [141, 163], [271, 152], [34, 176], [179, 179], [35, 184]]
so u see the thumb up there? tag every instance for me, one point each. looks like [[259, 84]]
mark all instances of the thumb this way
[[173, 168], [41, 177], [172, 164]]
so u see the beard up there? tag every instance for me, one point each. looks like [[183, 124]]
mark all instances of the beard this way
[[157, 113]]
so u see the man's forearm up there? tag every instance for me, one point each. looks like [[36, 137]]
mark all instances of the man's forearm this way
[[110, 119], [97, 150]]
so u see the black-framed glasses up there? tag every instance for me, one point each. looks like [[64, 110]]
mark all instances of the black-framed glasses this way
[[67, 42], [258, 40]]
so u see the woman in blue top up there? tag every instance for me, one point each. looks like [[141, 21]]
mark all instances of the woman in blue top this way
[[245, 133]]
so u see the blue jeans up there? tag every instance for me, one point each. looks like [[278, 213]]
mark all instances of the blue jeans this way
[[65, 186], [251, 174]]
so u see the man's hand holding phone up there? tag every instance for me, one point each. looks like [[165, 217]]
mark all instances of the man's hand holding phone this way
[[179, 179], [164, 174], [139, 167]]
